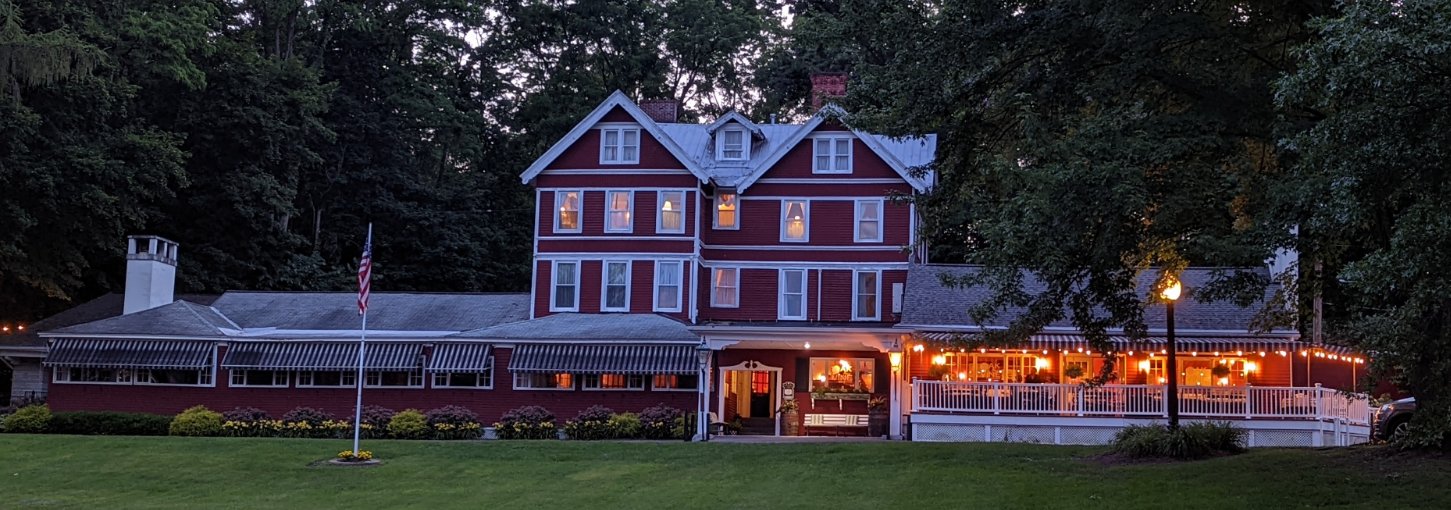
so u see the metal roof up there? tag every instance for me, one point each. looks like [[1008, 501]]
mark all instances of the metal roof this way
[[603, 359], [387, 311], [119, 353], [178, 318], [580, 327]]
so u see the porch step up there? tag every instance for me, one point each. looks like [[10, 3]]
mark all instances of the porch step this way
[[758, 426]]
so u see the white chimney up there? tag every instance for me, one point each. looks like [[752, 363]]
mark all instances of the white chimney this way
[[150, 273]]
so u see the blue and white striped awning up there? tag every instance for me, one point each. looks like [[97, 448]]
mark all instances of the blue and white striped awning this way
[[322, 356], [603, 359], [461, 357], [123, 353]]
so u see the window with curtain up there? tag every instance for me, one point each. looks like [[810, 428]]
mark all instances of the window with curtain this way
[[794, 221], [617, 286], [725, 283], [725, 211], [869, 221], [667, 286], [672, 212], [618, 214], [567, 219], [566, 286], [867, 296], [733, 145], [792, 301], [620, 145], [832, 155]]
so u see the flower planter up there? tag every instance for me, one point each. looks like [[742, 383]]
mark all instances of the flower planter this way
[[354, 463], [790, 423], [877, 424]]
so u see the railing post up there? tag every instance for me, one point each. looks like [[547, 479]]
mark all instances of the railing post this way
[[1078, 390], [997, 398], [1319, 402], [1248, 405], [1164, 402]]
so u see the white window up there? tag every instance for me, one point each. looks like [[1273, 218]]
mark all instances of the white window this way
[[93, 375], [612, 382], [868, 221], [567, 217], [667, 285], [866, 291], [393, 379], [843, 375], [672, 213], [672, 382], [533, 381], [327, 378], [619, 145], [164, 377], [260, 378], [732, 145], [565, 286], [478, 380], [833, 156], [616, 286], [791, 304], [726, 207], [795, 221], [618, 208], [725, 285]]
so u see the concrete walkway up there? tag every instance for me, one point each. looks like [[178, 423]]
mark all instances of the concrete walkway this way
[[745, 439]]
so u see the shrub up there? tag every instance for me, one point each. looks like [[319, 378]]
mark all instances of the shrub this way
[[375, 421], [528, 422], [625, 425], [452, 415], [110, 424], [408, 424], [1193, 441], [591, 424], [659, 422], [245, 414], [308, 415], [31, 419], [197, 421]]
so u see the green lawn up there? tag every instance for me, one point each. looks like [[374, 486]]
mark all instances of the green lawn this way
[[161, 472]]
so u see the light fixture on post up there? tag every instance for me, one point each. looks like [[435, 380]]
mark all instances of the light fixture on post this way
[[702, 399], [1170, 294], [895, 358]]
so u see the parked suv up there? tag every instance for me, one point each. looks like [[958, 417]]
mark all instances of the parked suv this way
[[1393, 418]]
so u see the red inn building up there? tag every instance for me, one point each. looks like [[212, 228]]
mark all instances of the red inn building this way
[[756, 273]]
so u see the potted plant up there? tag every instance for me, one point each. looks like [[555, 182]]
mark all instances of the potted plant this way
[[877, 416], [1073, 372], [1220, 371], [790, 422]]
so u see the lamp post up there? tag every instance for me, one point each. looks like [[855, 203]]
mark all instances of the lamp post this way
[[702, 418], [1170, 293]]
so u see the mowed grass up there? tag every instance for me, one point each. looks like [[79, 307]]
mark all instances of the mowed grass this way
[[163, 472]]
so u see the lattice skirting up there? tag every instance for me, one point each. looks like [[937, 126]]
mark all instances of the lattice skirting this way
[[1088, 435]]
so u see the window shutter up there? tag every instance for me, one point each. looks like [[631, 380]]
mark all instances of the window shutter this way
[[803, 377], [883, 378]]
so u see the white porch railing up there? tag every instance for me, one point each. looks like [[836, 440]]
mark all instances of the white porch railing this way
[[1144, 401]]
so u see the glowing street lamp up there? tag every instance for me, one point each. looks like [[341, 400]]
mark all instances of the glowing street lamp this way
[[1170, 293]]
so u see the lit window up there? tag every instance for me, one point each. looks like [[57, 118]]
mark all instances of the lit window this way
[[994, 367], [566, 287], [833, 156], [675, 382], [667, 285], [612, 382], [732, 145], [869, 221], [618, 215], [616, 287], [725, 284], [672, 213], [792, 299], [533, 381], [619, 145], [867, 292], [794, 221], [725, 211], [843, 375], [567, 219]]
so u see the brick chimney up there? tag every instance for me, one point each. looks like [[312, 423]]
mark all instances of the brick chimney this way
[[826, 88], [661, 110], [150, 273]]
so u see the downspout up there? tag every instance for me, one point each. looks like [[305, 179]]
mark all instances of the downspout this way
[[818, 294]]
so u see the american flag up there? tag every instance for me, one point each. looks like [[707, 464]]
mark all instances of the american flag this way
[[365, 273]]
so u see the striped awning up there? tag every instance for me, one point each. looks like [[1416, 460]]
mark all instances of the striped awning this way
[[321, 355], [119, 353], [603, 359], [1154, 343], [461, 357]]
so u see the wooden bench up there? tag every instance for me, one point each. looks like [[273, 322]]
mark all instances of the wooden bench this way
[[834, 424]]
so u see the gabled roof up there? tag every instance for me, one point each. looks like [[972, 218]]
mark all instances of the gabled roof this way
[[177, 319], [103, 307], [733, 116], [578, 327], [387, 311], [929, 304], [617, 99], [901, 165]]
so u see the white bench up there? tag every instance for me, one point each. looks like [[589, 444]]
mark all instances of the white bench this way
[[835, 421]]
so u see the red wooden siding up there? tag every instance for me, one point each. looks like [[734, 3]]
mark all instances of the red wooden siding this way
[[643, 179], [797, 163], [830, 223], [585, 154], [593, 213], [642, 287], [759, 295]]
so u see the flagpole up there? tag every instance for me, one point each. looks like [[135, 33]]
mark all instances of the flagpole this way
[[362, 347]]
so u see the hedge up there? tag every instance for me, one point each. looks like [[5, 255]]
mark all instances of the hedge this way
[[109, 424]]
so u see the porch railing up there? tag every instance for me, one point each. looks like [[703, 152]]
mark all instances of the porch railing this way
[[1141, 401]]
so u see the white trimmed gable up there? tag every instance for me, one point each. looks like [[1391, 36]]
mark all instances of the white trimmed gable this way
[[617, 99]]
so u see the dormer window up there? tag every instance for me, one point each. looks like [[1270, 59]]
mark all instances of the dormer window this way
[[833, 156], [731, 145], [619, 146]]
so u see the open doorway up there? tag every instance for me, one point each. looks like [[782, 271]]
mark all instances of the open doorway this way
[[750, 396]]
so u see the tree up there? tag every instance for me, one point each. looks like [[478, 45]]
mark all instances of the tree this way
[[1085, 142], [1369, 189], [38, 59]]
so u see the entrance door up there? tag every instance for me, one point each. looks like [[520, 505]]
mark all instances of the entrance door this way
[[750, 392], [761, 386]]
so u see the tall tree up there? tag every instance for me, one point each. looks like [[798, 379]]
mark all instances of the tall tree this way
[[1369, 189]]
